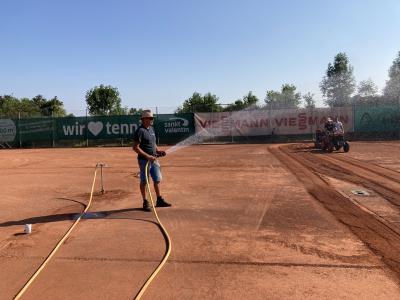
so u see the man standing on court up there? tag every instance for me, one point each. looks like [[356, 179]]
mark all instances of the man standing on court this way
[[144, 144]]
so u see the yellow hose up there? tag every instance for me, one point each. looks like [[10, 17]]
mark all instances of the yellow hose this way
[[166, 235], [53, 252], [55, 249]]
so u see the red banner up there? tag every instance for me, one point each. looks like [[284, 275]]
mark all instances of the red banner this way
[[267, 122]]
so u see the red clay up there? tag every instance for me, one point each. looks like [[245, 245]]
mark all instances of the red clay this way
[[243, 226], [382, 237]]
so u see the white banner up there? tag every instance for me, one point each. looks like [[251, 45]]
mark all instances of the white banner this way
[[8, 130], [267, 122]]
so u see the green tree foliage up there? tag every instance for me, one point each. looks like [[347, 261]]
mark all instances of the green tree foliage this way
[[392, 88], [135, 111], [123, 111], [53, 107], [367, 93], [286, 98], [28, 108], [247, 101], [35, 107], [367, 88], [338, 84], [103, 100], [9, 106], [199, 103], [39, 100], [309, 101]]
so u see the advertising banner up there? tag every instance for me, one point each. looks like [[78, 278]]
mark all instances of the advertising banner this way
[[8, 130], [169, 128], [377, 118], [101, 127], [271, 122], [36, 129], [172, 128]]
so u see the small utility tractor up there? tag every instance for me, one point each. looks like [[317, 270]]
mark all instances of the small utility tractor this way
[[329, 141]]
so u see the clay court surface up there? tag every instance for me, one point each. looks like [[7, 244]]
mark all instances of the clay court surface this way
[[247, 222]]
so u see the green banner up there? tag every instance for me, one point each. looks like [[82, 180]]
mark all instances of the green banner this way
[[377, 118], [36, 129], [169, 128], [102, 127], [173, 128]]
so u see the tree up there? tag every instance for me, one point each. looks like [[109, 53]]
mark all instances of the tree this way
[[39, 101], [35, 107], [286, 98], [392, 88], [9, 106], [48, 108], [103, 100], [53, 107], [367, 88], [135, 111], [248, 100], [309, 101], [123, 111], [338, 84], [199, 103], [367, 93], [28, 108]]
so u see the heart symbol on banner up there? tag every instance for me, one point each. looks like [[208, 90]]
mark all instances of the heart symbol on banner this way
[[95, 127]]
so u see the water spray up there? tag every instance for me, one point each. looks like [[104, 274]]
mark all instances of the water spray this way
[[210, 132]]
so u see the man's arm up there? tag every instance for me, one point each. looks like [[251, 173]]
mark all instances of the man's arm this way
[[137, 149]]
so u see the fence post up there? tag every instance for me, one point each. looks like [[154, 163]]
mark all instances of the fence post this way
[[157, 125], [212, 119], [19, 129], [354, 119], [120, 129], [311, 114], [53, 127], [86, 129], [230, 124]]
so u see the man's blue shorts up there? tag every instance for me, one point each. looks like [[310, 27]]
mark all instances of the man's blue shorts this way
[[155, 171]]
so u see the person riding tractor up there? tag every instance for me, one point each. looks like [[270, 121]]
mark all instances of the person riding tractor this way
[[329, 126], [332, 137]]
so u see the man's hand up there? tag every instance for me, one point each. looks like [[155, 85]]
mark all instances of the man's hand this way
[[151, 158], [161, 153]]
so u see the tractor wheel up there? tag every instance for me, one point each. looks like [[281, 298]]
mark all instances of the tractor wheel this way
[[346, 147]]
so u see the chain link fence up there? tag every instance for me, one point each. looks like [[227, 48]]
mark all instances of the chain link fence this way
[[377, 121], [263, 124], [253, 124], [89, 130], [366, 121]]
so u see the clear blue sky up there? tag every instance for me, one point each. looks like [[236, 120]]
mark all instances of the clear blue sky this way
[[159, 52]]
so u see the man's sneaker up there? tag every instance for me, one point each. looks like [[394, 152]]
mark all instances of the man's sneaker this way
[[162, 203], [146, 205]]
